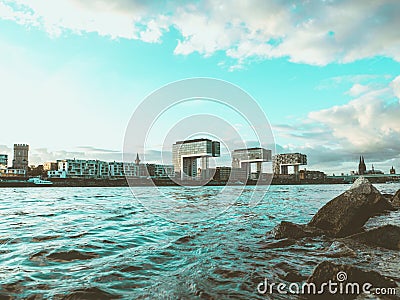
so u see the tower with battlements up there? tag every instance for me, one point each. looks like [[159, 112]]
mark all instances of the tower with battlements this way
[[20, 160]]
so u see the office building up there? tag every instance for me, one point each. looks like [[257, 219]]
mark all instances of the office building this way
[[242, 159], [282, 162], [186, 153], [160, 171], [222, 173]]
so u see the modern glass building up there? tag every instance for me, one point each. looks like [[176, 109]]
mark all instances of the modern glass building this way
[[283, 161], [243, 158], [185, 155]]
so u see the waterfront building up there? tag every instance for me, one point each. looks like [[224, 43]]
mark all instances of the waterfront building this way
[[3, 160], [362, 168], [79, 168], [281, 162], [50, 166], [120, 169], [185, 155], [392, 171], [95, 169], [242, 159], [21, 152], [11, 172], [311, 175], [160, 171], [373, 171], [56, 174], [222, 173]]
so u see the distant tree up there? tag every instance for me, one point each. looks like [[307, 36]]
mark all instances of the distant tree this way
[[36, 171]]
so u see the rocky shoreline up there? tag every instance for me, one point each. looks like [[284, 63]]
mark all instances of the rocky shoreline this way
[[341, 222]]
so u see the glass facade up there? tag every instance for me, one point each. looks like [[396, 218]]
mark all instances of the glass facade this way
[[188, 151], [250, 155]]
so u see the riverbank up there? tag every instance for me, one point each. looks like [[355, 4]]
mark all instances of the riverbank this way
[[122, 182]]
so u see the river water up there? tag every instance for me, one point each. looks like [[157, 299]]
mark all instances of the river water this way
[[57, 241]]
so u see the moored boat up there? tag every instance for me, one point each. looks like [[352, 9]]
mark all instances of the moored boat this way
[[39, 182]]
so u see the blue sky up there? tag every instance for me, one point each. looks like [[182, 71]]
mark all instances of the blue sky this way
[[325, 72]]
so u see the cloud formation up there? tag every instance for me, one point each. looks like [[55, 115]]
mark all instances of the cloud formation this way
[[368, 124], [311, 32]]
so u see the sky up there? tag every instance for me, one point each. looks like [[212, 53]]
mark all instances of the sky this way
[[326, 73]]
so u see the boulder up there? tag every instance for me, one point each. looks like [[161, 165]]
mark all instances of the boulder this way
[[90, 293], [339, 249], [291, 230], [346, 276], [283, 243], [396, 200], [387, 236], [347, 213]]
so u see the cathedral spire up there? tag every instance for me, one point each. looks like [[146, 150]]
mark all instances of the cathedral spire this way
[[361, 166]]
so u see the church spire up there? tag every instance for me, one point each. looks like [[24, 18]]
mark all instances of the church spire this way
[[137, 160], [361, 166]]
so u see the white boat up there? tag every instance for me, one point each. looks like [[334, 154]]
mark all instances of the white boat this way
[[38, 181]]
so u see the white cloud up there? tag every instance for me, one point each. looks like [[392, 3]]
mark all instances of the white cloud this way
[[311, 32], [367, 123], [334, 137], [358, 89]]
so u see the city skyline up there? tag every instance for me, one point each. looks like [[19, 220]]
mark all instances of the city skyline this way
[[300, 158], [72, 73]]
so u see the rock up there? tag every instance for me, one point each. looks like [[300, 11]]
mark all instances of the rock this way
[[294, 231], [70, 256], [347, 276], [396, 200], [339, 249], [387, 236], [288, 272], [348, 212], [292, 276], [280, 244], [90, 293]]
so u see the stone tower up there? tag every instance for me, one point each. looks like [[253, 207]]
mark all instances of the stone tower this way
[[20, 160]]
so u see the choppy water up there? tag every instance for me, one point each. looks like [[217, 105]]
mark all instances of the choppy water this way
[[54, 241]]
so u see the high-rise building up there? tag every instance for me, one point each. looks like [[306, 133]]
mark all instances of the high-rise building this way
[[362, 168], [21, 152], [243, 158], [185, 155], [282, 162]]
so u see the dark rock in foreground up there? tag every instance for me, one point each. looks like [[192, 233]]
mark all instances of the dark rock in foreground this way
[[387, 236], [396, 200], [294, 231], [339, 249], [70, 256], [89, 294], [347, 276], [280, 244], [347, 213]]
